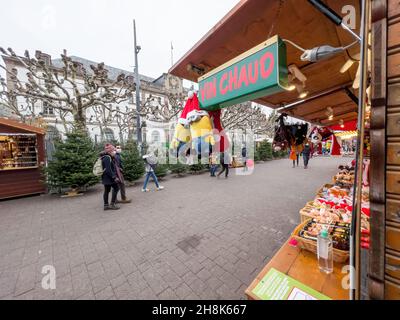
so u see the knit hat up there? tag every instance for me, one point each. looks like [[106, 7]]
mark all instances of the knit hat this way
[[109, 148]]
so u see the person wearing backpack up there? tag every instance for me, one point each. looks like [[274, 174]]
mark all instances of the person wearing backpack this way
[[150, 165], [109, 177]]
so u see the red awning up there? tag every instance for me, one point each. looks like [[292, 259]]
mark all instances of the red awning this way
[[347, 126]]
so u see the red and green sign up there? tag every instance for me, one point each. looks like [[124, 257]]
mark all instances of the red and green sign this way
[[259, 72]]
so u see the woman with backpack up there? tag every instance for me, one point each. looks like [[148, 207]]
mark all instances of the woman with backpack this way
[[150, 164], [109, 177]]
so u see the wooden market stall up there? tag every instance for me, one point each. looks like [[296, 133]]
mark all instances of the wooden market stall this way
[[22, 156], [328, 85]]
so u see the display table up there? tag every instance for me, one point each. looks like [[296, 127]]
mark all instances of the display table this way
[[302, 265]]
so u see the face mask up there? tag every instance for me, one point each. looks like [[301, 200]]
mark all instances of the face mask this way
[[119, 150]]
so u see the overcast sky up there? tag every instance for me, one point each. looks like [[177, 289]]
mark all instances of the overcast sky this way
[[102, 30]]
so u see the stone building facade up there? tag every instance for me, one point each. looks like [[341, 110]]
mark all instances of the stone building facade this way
[[158, 89]]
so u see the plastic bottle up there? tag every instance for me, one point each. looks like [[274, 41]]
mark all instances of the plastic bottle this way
[[325, 252]]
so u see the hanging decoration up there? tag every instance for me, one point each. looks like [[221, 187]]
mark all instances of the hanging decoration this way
[[199, 130], [319, 135], [287, 136]]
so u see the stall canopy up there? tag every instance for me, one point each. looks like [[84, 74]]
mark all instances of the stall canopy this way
[[251, 22], [347, 126]]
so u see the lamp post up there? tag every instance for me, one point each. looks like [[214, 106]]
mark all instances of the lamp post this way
[[137, 77]]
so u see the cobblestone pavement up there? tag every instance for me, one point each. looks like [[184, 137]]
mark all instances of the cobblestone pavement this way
[[200, 238]]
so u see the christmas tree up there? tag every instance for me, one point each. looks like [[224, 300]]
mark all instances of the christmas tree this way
[[132, 162], [73, 162], [264, 151], [178, 168], [161, 170]]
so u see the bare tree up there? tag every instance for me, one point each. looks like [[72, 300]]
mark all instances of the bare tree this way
[[247, 117], [71, 89], [153, 109]]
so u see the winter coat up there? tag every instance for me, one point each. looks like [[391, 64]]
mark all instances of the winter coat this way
[[244, 152], [110, 170], [148, 167], [306, 151], [293, 153], [118, 160], [225, 159]]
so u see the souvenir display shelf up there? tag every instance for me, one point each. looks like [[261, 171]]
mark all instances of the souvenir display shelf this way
[[18, 151]]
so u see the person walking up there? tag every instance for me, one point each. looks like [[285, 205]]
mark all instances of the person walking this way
[[306, 154], [150, 163], [120, 174], [109, 177], [213, 164], [224, 160], [294, 155], [244, 158]]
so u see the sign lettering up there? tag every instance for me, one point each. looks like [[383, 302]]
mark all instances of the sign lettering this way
[[258, 72]]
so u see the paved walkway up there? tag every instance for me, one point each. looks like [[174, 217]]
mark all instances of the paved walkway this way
[[200, 238]]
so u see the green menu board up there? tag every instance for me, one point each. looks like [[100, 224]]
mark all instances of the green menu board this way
[[277, 286]]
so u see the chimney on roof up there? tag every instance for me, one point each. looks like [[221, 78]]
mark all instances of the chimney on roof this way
[[41, 56]]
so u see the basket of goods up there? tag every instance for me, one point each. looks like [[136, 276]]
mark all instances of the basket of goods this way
[[338, 192], [307, 232], [306, 213], [324, 211], [323, 189], [344, 177]]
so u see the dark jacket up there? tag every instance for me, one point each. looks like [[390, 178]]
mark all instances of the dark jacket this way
[[110, 172], [306, 151], [118, 159]]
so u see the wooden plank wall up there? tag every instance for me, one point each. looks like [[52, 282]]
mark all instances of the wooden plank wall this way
[[15, 183], [384, 268], [392, 234], [378, 149]]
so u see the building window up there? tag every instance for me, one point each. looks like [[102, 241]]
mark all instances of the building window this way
[[109, 135], [155, 137], [47, 109]]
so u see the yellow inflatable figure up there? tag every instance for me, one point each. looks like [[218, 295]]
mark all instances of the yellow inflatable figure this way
[[194, 125]]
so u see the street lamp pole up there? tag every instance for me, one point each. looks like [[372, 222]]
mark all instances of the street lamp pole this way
[[138, 122]]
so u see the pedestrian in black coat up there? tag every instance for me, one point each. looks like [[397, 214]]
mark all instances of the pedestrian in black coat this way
[[120, 174], [109, 178], [224, 160], [306, 154]]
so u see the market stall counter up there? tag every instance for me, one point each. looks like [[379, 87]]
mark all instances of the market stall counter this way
[[306, 280], [294, 272], [22, 156]]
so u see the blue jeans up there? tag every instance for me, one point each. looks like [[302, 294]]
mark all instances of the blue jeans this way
[[153, 175], [213, 169]]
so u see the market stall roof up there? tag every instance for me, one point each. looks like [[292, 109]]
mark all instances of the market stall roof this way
[[251, 22], [21, 126], [347, 126]]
